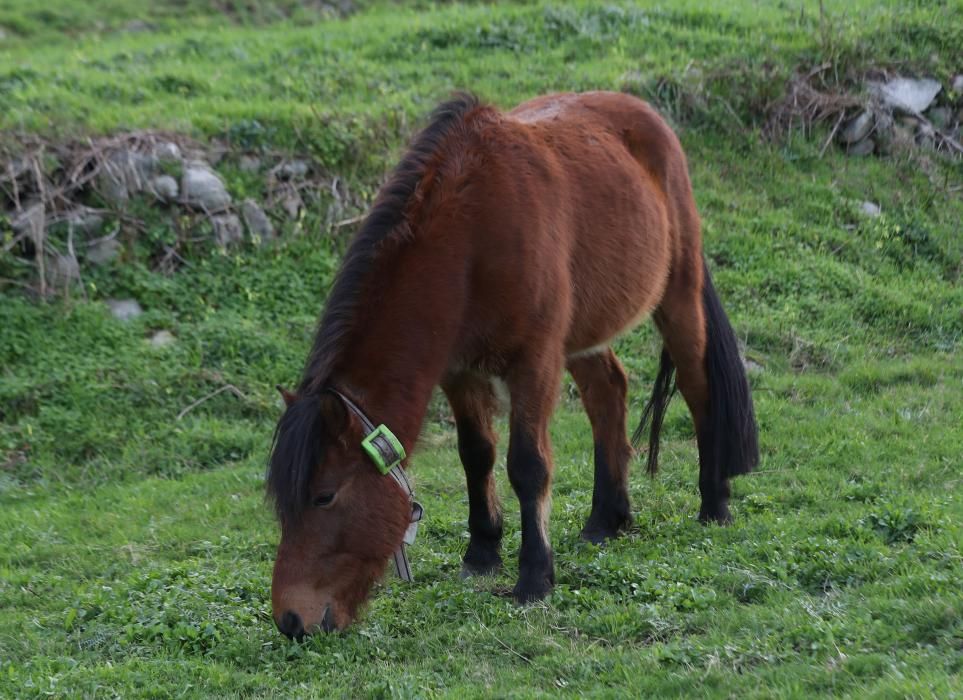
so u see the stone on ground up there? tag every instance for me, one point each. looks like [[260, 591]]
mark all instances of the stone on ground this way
[[31, 221], [913, 94], [258, 223], [102, 251], [249, 164], [858, 128], [124, 309], [292, 170], [863, 148], [162, 339], [227, 230], [203, 189], [164, 188]]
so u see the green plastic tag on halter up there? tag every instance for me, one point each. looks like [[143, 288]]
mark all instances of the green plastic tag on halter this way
[[384, 448]]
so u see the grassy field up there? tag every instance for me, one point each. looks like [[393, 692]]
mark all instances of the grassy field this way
[[135, 544]]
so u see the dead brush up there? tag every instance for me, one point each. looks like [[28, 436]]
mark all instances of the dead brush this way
[[47, 189], [806, 107], [44, 184]]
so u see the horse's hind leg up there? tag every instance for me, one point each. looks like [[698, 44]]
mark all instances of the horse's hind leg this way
[[473, 403], [682, 323], [603, 386]]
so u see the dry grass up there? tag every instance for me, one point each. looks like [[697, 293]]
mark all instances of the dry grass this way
[[46, 186]]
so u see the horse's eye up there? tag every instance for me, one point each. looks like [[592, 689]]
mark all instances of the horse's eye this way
[[323, 500]]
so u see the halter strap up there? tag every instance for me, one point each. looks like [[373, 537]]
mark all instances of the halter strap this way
[[387, 453]]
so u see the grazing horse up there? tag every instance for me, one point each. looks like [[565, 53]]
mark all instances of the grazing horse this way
[[504, 248]]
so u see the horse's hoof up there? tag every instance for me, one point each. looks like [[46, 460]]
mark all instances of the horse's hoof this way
[[719, 515], [598, 532], [488, 569], [598, 535], [525, 593]]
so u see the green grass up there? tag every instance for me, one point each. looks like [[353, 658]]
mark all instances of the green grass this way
[[338, 89], [136, 547]]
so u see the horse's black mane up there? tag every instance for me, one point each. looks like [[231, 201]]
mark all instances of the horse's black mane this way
[[386, 216], [297, 445], [296, 451]]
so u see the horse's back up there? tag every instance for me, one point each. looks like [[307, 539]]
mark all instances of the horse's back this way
[[640, 128], [627, 181]]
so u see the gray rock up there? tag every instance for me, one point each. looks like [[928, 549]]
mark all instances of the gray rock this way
[[292, 170], [3, 33], [86, 221], [257, 222], [167, 151], [164, 188], [216, 153], [140, 166], [862, 148], [857, 128], [249, 164], [125, 173], [18, 167], [138, 26], [203, 189], [162, 339], [903, 136], [124, 309], [926, 136], [291, 203], [941, 117], [752, 367], [956, 85], [884, 133], [227, 230], [870, 209], [62, 269], [102, 251], [30, 221], [112, 189], [911, 94]]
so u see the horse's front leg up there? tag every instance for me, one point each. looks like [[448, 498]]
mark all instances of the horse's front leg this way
[[534, 388], [473, 404]]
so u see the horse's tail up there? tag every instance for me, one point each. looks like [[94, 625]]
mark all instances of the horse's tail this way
[[728, 439], [662, 392]]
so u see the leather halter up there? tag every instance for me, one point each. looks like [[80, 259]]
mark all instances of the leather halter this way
[[384, 449]]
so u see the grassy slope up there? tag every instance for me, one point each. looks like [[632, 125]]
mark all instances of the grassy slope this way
[[216, 78], [135, 550]]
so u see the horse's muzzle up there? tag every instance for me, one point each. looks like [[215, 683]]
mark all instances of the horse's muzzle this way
[[292, 627]]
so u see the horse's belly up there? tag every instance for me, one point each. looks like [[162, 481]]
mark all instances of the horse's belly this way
[[619, 269]]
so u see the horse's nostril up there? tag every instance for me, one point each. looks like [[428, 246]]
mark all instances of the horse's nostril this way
[[327, 622], [291, 626]]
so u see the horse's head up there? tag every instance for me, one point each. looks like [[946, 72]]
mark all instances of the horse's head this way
[[341, 518]]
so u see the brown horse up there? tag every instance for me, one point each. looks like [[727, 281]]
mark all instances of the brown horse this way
[[505, 247]]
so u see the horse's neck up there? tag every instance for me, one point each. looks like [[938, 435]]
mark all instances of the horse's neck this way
[[397, 400], [402, 346]]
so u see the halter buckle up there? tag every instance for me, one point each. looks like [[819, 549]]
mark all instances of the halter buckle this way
[[384, 449]]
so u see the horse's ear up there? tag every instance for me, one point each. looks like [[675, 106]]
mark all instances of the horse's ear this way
[[288, 397]]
